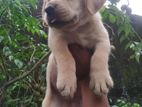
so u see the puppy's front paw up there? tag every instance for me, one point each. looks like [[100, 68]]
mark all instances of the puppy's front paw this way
[[67, 85], [100, 82], [45, 103]]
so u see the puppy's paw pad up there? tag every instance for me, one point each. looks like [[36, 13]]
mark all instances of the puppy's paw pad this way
[[101, 83], [67, 86]]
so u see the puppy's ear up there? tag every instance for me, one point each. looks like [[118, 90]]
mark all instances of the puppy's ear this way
[[94, 5], [43, 19]]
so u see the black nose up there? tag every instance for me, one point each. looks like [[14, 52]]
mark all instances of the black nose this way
[[50, 10]]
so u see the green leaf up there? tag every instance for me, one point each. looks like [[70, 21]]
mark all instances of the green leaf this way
[[115, 106], [137, 57], [1, 38], [132, 45], [18, 63], [6, 51], [127, 46], [112, 18], [122, 38], [11, 57]]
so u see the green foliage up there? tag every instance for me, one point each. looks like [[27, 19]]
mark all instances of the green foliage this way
[[124, 31], [123, 103], [22, 44], [126, 60]]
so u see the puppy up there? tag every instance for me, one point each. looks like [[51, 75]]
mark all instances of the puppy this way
[[76, 21]]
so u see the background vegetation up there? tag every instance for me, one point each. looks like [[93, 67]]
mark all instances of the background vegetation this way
[[24, 55]]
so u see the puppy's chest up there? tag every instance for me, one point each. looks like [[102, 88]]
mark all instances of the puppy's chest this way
[[81, 39]]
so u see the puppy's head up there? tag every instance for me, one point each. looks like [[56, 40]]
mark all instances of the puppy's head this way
[[57, 13]]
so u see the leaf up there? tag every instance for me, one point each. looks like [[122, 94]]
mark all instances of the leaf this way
[[11, 57], [112, 18], [126, 29], [1, 38], [127, 46], [18, 63], [137, 57], [114, 106], [132, 45], [122, 38], [6, 51]]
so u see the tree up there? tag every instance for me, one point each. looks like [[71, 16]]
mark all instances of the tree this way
[[22, 44], [126, 60]]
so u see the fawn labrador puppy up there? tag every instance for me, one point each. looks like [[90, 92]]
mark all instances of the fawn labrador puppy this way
[[76, 21]]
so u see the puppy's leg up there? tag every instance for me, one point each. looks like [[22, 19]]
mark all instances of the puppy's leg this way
[[48, 95], [66, 78], [100, 79]]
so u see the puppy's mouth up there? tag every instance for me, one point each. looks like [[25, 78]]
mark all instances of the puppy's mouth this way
[[53, 22], [56, 22]]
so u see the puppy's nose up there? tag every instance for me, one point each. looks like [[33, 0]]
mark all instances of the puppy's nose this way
[[50, 10]]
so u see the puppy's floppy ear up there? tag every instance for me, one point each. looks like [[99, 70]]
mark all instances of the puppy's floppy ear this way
[[94, 5], [43, 19]]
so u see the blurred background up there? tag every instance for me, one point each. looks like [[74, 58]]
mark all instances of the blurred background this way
[[24, 52]]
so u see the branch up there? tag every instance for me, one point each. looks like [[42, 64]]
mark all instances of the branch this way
[[109, 27], [2, 13], [33, 54], [26, 73], [4, 68]]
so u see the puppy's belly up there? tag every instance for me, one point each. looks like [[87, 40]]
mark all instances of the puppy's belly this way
[[82, 58]]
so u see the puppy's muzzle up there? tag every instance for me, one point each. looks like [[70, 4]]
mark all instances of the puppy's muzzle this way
[[55, 17], [51, 14]]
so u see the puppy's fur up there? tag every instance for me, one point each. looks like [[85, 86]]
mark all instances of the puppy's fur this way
[[80, 23]]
